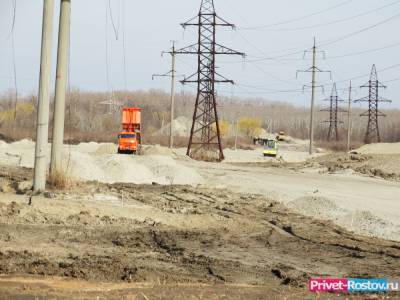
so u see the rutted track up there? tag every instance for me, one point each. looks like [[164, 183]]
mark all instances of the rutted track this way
[[125, 233]]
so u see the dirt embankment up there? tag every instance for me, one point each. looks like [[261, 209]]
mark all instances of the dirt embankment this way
[[385, 166], [175, 235]]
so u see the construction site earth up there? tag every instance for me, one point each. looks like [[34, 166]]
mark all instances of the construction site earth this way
[[162, 225]]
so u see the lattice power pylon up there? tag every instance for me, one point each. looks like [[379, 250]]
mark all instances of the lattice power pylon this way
[[372, 135], [205, 138], [333, 132]]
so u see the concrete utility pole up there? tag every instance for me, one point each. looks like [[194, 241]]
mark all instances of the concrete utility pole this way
[[42, 123], [349, 121], [173, 83], [314, 50], [61, 87], [314, 69], [236, 133], [171, 74]]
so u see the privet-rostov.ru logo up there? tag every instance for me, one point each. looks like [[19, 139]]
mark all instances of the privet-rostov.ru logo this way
[[353, 285]]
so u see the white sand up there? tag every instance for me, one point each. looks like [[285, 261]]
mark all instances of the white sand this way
[[365, 205], [383, 148]]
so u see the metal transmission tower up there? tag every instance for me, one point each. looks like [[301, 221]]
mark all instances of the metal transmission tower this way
[[373, 112], [205, 137], [334, 110], [314, 70]]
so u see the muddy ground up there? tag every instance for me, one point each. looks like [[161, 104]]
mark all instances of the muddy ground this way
[[171, 242]]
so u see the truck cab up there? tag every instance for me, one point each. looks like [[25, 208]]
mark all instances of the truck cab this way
[[129, 142]]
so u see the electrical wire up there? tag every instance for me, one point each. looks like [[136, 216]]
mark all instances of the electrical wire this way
[[124, 50], [110, 92], [299, 18], [15, 77], [360, 31], [328, 42], [327, 58], [340, 20], [367, 74], [14, 4], [363, 52], [12, 33], [115, 27]]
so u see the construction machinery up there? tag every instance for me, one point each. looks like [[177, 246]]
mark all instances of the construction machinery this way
[[281, 136], [130, 138], [270, 148]]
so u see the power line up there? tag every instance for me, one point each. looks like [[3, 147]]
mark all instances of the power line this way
[[124, 48], [15, 77], [299, 18], [361, 30], [340, 20], [115, 27], [363, 52], [14, 60], [328, 42], [327, 58], [14, 4]]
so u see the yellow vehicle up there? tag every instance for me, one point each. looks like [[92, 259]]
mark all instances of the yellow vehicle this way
[[270, 148]]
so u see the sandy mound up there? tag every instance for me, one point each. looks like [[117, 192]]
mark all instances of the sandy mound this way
[[361, 222], [157, 150], [317, 207], [112, 168], [100, 162], [382, 148], [181, 127]]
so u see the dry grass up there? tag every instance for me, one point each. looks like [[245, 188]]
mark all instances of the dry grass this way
[[60, 180]]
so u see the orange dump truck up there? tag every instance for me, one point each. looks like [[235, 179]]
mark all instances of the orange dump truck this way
[[130, 139]]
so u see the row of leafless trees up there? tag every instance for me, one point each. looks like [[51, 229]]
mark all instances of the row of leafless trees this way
[[87, 119]]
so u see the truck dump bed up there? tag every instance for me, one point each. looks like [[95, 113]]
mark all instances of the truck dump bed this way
[[131, 119]]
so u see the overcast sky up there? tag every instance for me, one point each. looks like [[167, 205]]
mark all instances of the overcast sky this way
[[267, 31]]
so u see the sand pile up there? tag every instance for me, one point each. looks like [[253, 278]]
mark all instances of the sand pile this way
[[100, 162], [112, 168], [19, 153], [157, 150], [382, 148], [361, 222], [181, 127]]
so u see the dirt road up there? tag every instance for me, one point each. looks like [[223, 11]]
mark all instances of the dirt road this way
[[112, 237], [358, 202]]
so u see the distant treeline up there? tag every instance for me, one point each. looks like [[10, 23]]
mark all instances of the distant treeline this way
[[87, 119]]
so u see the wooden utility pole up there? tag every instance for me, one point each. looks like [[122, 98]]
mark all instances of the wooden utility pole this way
[[42, 124], [349, 121], [61, 87]]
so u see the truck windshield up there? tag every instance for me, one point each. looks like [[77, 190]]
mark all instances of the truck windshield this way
[[270, 144], [127, 136]]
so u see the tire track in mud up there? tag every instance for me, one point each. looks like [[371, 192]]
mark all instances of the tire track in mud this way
[[254, 241]]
